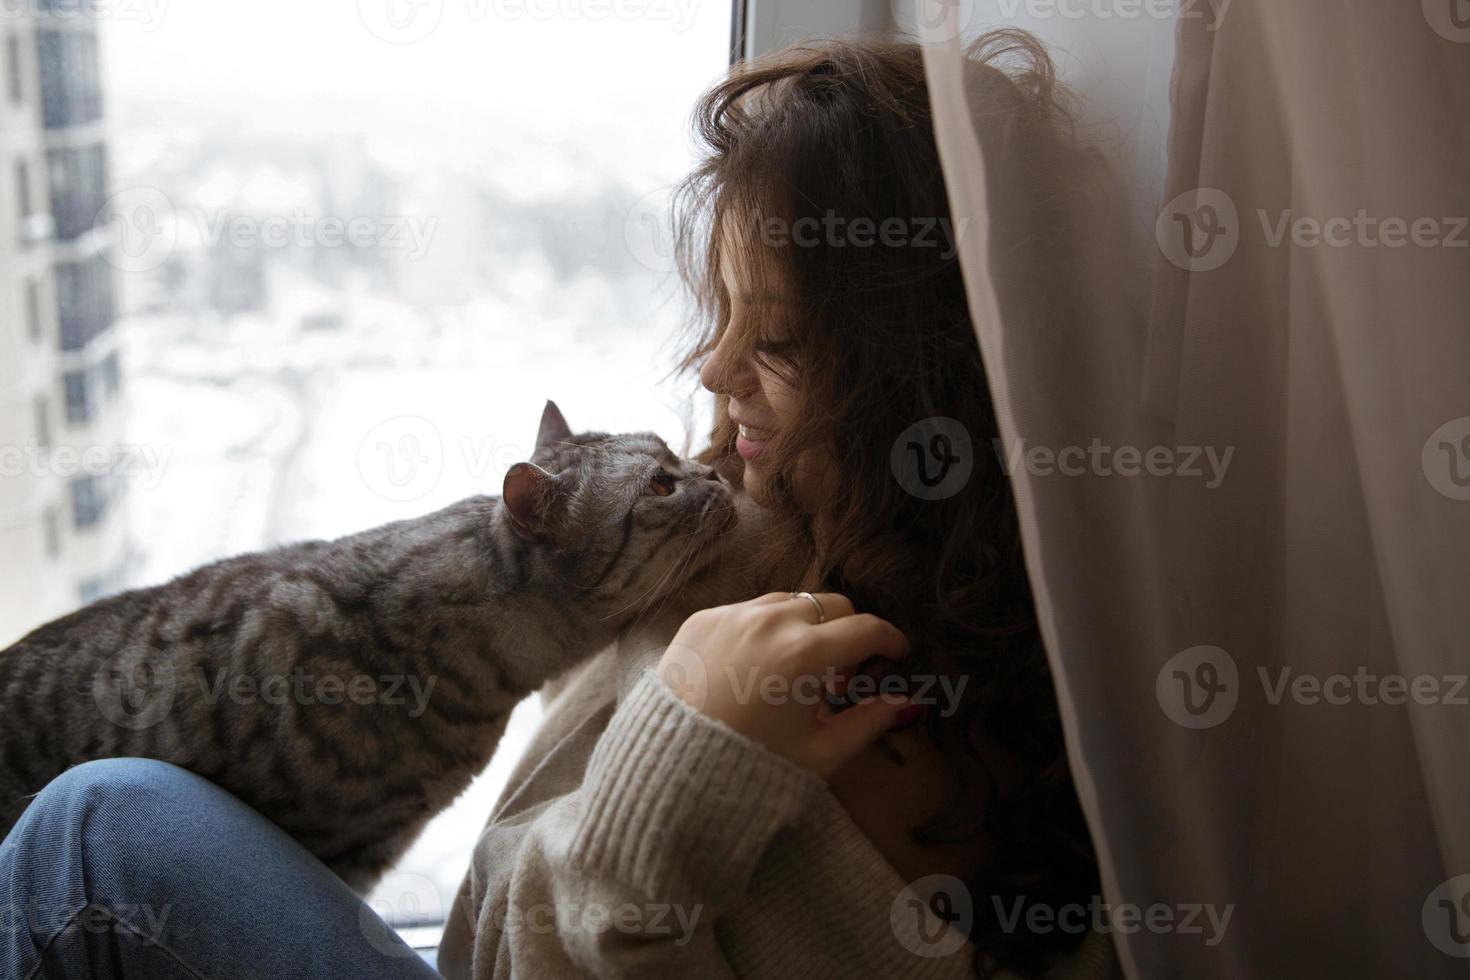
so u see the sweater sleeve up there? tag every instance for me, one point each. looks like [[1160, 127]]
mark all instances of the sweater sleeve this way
[[626, 876]]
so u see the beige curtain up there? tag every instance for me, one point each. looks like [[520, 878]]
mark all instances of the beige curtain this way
[[1252, 578]]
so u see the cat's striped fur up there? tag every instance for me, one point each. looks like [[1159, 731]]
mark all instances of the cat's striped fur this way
[[351, 689]]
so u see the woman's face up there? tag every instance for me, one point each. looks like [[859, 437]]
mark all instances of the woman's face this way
[[762, 402]]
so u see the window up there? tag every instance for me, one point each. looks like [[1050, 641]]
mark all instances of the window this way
[[34, 224], [51, 532], [22, 189], [14, 68], [43, 421], [78, 178], [70, 91], [84, 300], [81, 403], [91, 590], [110, 374], [355, 234], [34, 328], [89, 500], [100, 586]]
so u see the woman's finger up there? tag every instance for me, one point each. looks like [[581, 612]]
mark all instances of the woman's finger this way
[[874, 669], [845, 735], [848, 641], [822, 607]]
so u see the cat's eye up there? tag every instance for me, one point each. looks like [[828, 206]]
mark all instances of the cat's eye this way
[[661, 484]]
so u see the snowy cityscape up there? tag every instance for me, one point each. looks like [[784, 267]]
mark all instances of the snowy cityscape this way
[[291, 354]]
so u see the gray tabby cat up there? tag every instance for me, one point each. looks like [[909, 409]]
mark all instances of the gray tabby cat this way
[[349, 690]]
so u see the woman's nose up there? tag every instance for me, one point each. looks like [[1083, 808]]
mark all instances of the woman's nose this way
[[720, 371]]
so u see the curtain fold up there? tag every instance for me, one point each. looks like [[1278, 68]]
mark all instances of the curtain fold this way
[[1259, 632]]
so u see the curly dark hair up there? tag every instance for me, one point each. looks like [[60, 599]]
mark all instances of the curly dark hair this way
[[879, 337]]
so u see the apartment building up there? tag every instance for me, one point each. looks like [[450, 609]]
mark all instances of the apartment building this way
[[62, 527]]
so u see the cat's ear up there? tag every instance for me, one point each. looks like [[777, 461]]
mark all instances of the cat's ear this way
[[554, 428], [531, 497]]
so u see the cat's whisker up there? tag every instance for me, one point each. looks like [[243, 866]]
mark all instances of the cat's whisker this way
[[661, 595], [683, 565], [683, 569], [654, 591], [641, 597]]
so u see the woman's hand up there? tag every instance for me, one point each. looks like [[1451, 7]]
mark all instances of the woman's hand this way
[[763, 667]]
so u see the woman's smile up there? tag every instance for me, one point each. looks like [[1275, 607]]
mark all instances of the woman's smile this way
[[751, 442]]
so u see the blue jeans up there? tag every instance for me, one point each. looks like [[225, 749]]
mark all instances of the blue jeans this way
[[130, 869]]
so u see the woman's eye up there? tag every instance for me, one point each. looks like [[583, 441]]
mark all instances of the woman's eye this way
[[662, 484], [770, 339]]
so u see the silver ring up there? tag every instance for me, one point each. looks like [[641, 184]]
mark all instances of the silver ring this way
[[816, 604]]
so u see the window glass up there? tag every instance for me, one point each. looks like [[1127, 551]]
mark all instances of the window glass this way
[[70, 94], [43, 421], [34, 327], [78, 179], [110, 374], [23, 203], [90, 496], [13, 68], [84, 300], [80, 405], [51, 529]]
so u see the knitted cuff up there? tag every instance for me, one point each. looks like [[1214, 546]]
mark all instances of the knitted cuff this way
[[678, 805]]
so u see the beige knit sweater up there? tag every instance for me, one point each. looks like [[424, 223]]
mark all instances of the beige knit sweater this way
[[641, 838]]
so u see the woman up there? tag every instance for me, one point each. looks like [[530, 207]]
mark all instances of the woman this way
[[689, 826]]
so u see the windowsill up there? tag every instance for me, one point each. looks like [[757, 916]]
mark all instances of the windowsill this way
[[425, 941], [422, 936]]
